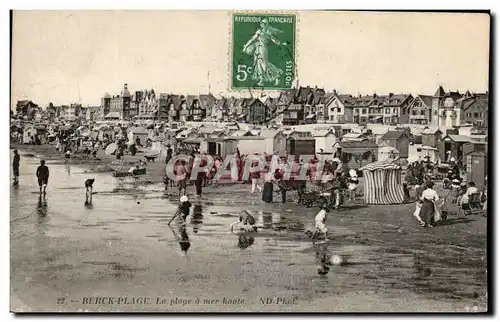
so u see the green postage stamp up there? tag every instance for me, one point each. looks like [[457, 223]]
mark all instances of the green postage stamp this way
[[263, 51]]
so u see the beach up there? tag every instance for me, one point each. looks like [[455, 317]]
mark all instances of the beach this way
[[66, 255]]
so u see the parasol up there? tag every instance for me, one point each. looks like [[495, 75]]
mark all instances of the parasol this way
[[111, 149]]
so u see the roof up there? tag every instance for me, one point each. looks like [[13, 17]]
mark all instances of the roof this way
[[245, 102], [396, 99], [426, 99], [380, 165], [176, 100], [439, 92], [347, 99], [270, 102], [286, 97], [242, 138], [206, 100], [322, 132], [387, 149], [358, 144], [480, 137], [206, 130], [303, 94], [190, 99], [457, 138], [24, 103], [112, 115], [393, 135], [221, 102], [300, 134], [269, 133], [352, 135], [454, 95], [480, 102], [318, 95], [184, 132], [137, 130], [428, 130], [327, 97], [238, 133]]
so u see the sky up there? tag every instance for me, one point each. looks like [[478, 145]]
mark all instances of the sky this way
[[76, 56]]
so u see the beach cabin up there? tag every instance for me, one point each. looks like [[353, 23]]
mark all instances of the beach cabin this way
[[227, 146], [398, 139], [419, 152], [455, 144], [300, 143], [477, 168], [274, 140], [353, 137], [135, 132], [475, 146], [356, 154], [104, 131], [387, 153], [431, 137], [181, 135], [35, 131], [325, 139]]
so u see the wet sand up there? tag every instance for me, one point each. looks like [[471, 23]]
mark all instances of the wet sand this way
[[64, 255]]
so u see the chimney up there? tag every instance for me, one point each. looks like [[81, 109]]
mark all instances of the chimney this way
[[391, 94], [374, 95], [125, 86], [335, 92]]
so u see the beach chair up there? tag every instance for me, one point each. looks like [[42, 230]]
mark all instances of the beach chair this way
[[473, 206]]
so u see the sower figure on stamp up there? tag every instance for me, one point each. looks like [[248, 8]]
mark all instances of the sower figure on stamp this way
[[263, 70]]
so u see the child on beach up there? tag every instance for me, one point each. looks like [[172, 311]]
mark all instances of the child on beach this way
[[67, 155], [184, 208], [320, 221], [42, 173], [247, 220]]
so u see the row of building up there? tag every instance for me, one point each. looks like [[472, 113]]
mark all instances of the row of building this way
[[305, 105]]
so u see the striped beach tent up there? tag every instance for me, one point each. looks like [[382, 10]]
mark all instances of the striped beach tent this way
[[382, 183]]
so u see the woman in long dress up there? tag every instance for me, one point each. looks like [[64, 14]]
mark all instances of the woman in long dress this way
[[429, 198], [263, 70], [267, 192]]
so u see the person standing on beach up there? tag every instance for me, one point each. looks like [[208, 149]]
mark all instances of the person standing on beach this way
[[170, 153], [15, 167], [42, 173], [200, 177], [67, 155]]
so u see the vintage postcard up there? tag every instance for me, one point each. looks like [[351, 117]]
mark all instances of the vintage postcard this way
[[249, 161]]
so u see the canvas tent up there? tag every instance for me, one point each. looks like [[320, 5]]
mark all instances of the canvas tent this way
[[382, 183]]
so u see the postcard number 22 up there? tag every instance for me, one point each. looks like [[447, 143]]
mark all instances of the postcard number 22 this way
[[242, 72]]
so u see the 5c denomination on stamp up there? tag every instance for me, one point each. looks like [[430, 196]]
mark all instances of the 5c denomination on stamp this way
[[263, 47]]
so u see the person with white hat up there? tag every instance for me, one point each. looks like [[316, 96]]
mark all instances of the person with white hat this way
[[183, 210], [353, 184]]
